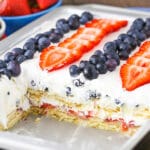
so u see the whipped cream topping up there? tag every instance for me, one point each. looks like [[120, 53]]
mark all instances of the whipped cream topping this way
[[109, 87]]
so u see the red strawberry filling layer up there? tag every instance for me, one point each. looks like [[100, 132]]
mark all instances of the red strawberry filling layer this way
[[89, 114]]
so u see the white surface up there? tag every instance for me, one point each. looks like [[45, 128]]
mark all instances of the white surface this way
[[3, 27]]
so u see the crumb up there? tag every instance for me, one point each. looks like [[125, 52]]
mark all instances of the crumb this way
[[37, 120]]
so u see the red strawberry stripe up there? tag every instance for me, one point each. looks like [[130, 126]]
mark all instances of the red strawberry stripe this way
[[73, 48], [136, 71], [58, 57]]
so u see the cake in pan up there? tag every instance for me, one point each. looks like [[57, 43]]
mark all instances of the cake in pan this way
[[95, 76]]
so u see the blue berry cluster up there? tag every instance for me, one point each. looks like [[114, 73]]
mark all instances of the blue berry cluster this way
[[108, 59], [10, 65]]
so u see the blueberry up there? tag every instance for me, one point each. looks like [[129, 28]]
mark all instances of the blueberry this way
[[14, 68], [43, 42], [74, 17], [102, 58], [31, 40], [17, 51], [94, 59], [131, 41], [29, 45], [111, 64], [113, 56], [117, 42], [28, 54], [82, 64], [101, 68], [73, 23], [65, 28], [123, 55], [47, 33], [2, 64], [83, 19], [87, 15], [124, 47], [138, 24], [109, 47], [60, 22], [38, 36], [147, 30], [117, 101], [54, 38], [147, 22], [122, 36], [74, 70], [63, 25], [141, 36], [20, 59], [90, 72], [9, 56], [6, 72], [98, 53], [59, 32]]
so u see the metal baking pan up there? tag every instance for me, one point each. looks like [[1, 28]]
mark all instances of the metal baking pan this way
[[48, 133]]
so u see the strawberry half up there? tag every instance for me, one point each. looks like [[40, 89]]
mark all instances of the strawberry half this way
[[43, 4], [136, 71]]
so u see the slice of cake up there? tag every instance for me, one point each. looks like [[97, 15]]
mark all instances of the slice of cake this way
[[71, 80]]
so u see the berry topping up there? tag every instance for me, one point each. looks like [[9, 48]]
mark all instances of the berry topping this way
[[73, 22], [29, 54], [9, 56], [90, 72], [21, 58], [74, 70], [101, 68], [55, 38], [14, 68], [2, 64], [17, 51], [111, 64], [136, 72], [63, 24], [109, 47], [82, 41], [29, 46], [43, 42]]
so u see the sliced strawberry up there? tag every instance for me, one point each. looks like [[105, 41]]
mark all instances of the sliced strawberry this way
[[5, 9], [43, 4], [136, 72], [53, 58], [134, 76], [139, 61]]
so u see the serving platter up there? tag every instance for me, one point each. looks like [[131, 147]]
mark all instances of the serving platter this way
[[45, 133]]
